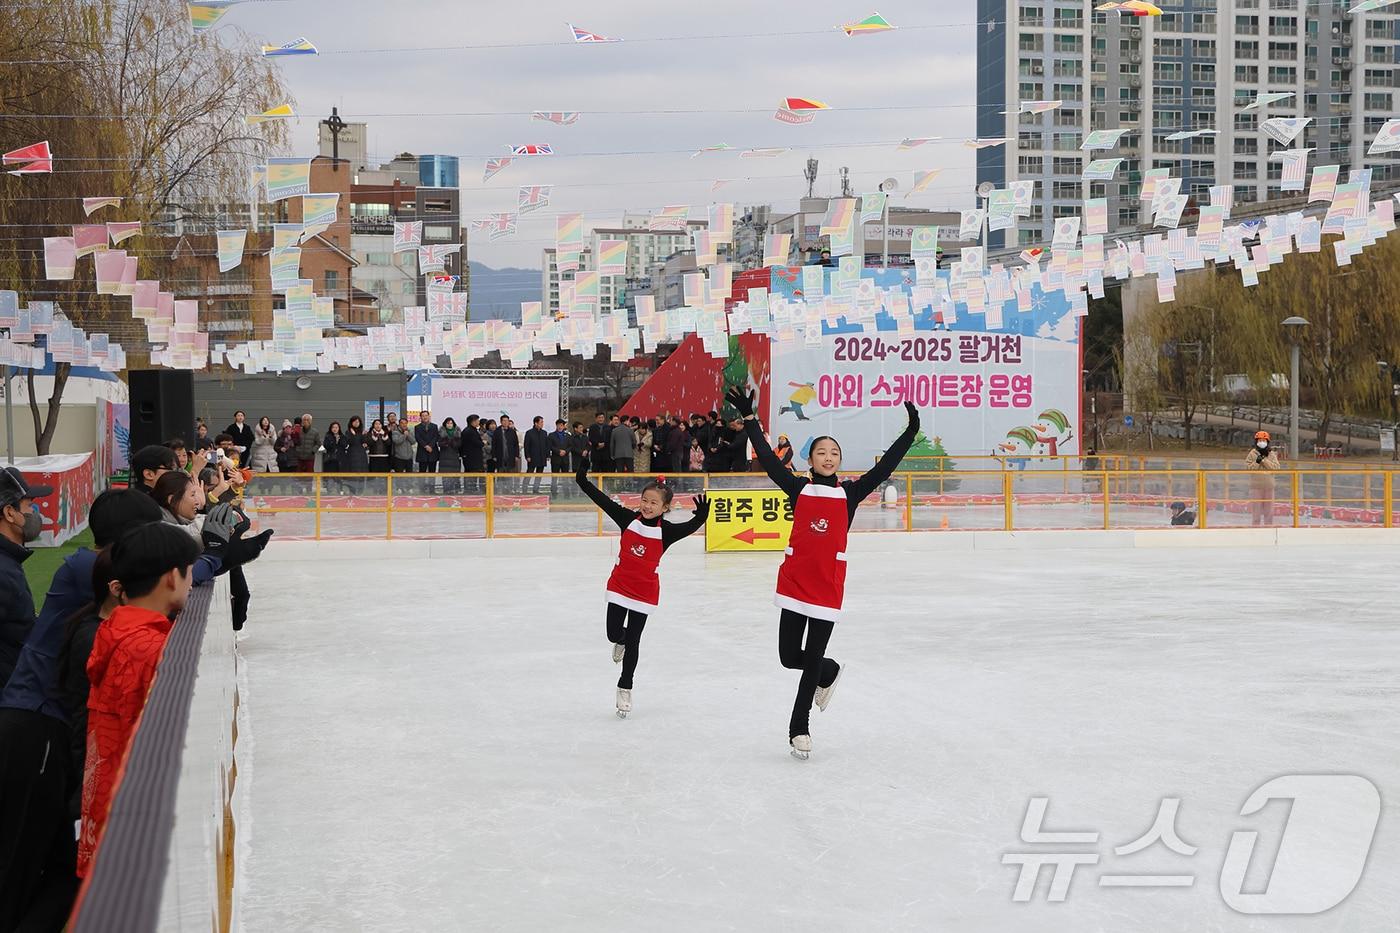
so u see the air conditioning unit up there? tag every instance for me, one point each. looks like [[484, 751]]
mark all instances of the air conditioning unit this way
[[1346, 86], [1135, 81], [1037, 69], [1344, 65], [1135, 57], [1135, 32]]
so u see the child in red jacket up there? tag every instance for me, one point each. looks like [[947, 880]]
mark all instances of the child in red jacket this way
[[634, 589], [151, 569]]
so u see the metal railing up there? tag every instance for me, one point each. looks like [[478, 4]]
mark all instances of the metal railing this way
[[341, 506]]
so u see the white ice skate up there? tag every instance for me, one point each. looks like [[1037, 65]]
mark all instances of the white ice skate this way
[[801, 746], [619, 650], [823, 694], [624, 702]]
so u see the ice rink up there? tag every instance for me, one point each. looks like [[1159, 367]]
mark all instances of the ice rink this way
[[431, 743]]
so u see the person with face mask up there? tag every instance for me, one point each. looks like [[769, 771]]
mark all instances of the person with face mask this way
[[634, 588], [812, 579], [19, 525], [1263, 460]]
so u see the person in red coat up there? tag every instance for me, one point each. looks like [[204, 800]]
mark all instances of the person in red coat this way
[[812, 579], [634, 589], [151, 569]]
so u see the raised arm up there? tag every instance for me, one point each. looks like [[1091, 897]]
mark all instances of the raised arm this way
[[621, 516], [863, 486], [671, 532], [784, 478]]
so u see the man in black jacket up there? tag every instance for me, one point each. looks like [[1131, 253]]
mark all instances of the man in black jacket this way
[[537, 448], [578, 448], [505, 447], [473, 452], [658, 439], [427, 437], [560, 446], [19, 525], [599, 436], [737, 448]]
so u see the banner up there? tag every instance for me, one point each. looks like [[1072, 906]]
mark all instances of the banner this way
[[1009, 390], [748, 520], [521, 399]]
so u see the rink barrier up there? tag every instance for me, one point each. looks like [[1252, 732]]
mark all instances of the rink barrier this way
[[165, 862], [435, 506]]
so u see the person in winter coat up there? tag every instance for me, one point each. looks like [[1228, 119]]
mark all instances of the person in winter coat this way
[[537, 450], [402, 436], [151, 564], [473, 449], [379, 447], [600, 456], [263, 458], [658, 439], [355, 452], [428, 438], [642, 463], [287, 442], [308, 445], [579, 448], [678, 448], [242, 435], [334, 445], [634, 588], [505, 447], [738, 447], [622, 445], [19, 526], [784, 451], [1262, 460], [450, 454], [811, 588], [488, 443], [697, 458], [560, 446]]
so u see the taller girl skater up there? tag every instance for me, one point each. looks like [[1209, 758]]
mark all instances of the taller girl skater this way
[[812, 578], [634, 589]]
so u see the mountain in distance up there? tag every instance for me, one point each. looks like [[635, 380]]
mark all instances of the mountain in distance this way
[[497, 293]]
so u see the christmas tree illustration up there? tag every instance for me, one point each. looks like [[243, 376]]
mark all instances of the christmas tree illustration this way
[[933, 457], [735, 374]]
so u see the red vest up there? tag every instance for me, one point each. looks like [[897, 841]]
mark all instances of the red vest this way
[[812, 579], [634, 583]]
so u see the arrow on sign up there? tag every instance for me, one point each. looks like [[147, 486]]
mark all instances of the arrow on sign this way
[[748, 535]]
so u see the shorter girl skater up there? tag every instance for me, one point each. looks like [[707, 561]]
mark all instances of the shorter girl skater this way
[[812, 578], [634, 589]]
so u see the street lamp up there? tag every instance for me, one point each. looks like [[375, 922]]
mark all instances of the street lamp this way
[[1294, 326], [1388, 380]]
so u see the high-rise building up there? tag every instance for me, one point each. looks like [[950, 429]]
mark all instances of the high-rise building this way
[[1190, 69], [612, 289]]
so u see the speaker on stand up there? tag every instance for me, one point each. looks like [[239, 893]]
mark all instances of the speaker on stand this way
[[162, 406]]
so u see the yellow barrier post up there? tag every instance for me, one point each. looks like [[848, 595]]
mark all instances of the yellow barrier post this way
[[1201, 510], [490, 479], [1295, 496], [1327, 481], [1104, 488], [1388, 520], [1006, 501], [316, 478], [389, 506], [908, 502]]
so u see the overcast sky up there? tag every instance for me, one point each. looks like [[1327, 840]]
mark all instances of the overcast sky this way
[[407, 98]]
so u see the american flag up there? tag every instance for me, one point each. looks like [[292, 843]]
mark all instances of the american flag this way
[[583, 35], [533, 197]]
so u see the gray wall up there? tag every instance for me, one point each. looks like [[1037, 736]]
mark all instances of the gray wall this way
[[330, 397]]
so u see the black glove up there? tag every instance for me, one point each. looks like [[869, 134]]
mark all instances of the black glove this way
[[743, 403], [912, 411], [240, 551], [1263, 453], [220, 524], [702, 505]]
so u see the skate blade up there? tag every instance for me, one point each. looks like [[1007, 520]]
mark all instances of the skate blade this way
[[800, 756], [622, 714]]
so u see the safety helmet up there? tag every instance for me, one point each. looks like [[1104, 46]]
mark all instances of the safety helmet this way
[[1261, 435]]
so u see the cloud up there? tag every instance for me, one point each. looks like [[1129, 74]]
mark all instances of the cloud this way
[[407, 98]]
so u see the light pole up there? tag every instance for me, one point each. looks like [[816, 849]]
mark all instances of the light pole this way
[[1294, 326], [1392, 389]]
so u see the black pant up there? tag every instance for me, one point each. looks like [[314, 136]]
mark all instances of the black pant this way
[[240, 595], [427, 466], [534, 484], [622, 465], [631, 636], [38, 855], [379, 463], [817, 669]]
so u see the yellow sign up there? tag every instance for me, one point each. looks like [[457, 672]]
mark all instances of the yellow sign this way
[[748, 520]]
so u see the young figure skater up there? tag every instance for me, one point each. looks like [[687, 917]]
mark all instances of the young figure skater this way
[[812, 578], [634, 589]]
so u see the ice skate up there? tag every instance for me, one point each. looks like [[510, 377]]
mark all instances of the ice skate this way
[[801, 746], [619, 650], [624, 702], [823, 694]]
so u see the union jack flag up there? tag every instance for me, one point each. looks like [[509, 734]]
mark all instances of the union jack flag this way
[[560, 117], [503, 226], [495, 165], [532, 149], [583, 35], [533, 197], [408, 235]]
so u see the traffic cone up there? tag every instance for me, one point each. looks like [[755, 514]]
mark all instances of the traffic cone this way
[[943, 523]]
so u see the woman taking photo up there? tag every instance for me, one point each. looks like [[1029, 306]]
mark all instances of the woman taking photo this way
[[263, 457], [378, 447]]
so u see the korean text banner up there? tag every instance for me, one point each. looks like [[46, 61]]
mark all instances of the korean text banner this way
[[521, 399], [1010, 391]]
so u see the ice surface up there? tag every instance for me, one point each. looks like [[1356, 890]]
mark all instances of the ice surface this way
[[435, 745]]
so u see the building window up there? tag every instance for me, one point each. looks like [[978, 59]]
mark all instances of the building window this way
[[1283, 51], [1032, 17], [1246, 170], [332, 281], [1279, 75], [1203, 73], [1168, 47], [1247, 50], [1203, 97], [1247, 25], [1283, 26], [1067, 166], [1246, 147], [1069, 92], [1070, 44], [1203, 22], [1069, 68], [1247, 74], [1203, 48], [1032, 42], [1030, 165], [1168, 119], [437, 206], [1069, 19], [1380, 102], [1166, 71]]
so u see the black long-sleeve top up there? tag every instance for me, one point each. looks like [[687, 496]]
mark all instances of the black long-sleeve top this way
[[856, 489], [671, 532]]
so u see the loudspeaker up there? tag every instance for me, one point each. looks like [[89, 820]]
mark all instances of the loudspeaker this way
[[162, 406]]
